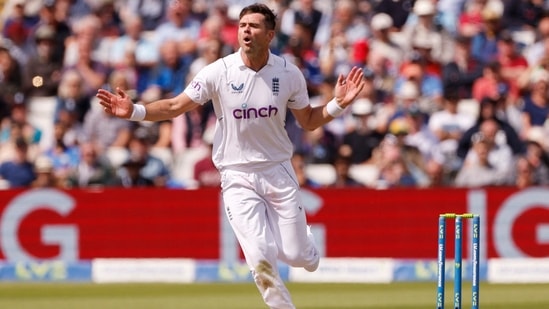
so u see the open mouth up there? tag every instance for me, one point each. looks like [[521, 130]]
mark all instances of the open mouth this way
[[247, 40]]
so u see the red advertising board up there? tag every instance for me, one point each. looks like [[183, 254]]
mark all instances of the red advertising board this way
[[147, 223]]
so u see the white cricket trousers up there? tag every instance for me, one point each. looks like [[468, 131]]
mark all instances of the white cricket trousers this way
[[268, 219]]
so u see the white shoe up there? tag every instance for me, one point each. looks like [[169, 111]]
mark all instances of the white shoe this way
[[313, 266]]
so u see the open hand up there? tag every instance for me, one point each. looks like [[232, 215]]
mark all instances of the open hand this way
[[119, 104], [347, 88]]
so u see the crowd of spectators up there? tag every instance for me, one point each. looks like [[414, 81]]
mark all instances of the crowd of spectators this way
[[457, 91]]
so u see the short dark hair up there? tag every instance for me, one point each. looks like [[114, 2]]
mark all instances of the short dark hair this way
[[270, 17]]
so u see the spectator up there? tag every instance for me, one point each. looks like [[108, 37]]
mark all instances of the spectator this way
[[11, 81], [299, 51], [16, 29], [17, 126], [471, 21], [463, 70], [522, 14], [499, 156], [393, 171], [152, 12], [180, 26], [226, 24], [399, 10], [484, 42], [208, 51], [153, 169], [110, 20], [449, 125], [61, 28], [134, 53], [335, 55], [363, 138], [513, 64], [536, 52], [301, 12], [488, 110], [524, 174], [205, 173], [417, 31], [299, 163], [171, 72], [342, 165], [63, 156], [480, 171], [448, 13], [92, 170], [19, 171], [429, 85], [419, 135], [491, 84], [319, 146], [532, 168], [71, 97], [535, 102], [45, 176], [383, 45], [346, 31], [111, 135], [42, 73], [93, 72], [130, 174], [349, 23], [85, 33]]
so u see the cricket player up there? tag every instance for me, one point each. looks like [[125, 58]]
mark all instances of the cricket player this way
[[252, 90]]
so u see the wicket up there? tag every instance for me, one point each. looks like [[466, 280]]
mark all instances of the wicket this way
[[475, 259]]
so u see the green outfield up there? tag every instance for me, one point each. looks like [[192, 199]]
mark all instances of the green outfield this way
[[245, 296]]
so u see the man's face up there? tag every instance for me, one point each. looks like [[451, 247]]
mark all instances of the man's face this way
[[253, 35]]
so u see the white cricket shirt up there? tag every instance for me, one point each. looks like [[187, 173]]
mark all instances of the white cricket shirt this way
[[251, 109]]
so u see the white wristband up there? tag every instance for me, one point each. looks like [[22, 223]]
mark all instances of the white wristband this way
[[334, 109], [138, 112]]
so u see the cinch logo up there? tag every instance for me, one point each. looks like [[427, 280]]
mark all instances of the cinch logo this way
[[195, 85], [252, 113], [237, 89]]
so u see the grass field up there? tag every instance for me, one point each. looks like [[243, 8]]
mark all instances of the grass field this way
[[245, 296]]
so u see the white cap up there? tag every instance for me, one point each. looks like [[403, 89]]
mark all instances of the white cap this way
[[362, 106], [424, 7], [43, 164], [536, 134], [408, 91], [381, 21], [538, 75]]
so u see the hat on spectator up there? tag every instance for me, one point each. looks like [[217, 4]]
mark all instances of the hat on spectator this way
[[399, 126], [424, 7], [44, 32], [493, 10], [43, 164], [408, 91], [537, 135], [381, 21], [362, 107], [539, 75]]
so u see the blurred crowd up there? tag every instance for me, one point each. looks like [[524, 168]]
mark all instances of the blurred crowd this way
[[456, 96]]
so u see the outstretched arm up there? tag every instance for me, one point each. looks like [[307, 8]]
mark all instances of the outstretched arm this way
[[120, 105], [345, 92]]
